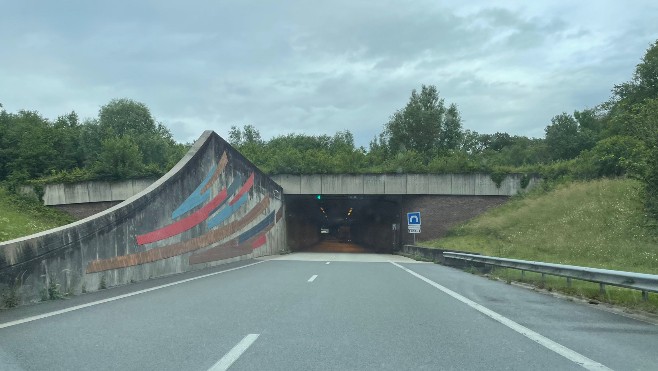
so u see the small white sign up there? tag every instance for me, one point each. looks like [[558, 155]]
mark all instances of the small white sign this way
[[414, 228]]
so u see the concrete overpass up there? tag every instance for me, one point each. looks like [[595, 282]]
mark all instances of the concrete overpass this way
[[403, 184]]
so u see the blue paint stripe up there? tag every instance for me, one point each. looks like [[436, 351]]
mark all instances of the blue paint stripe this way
[[196, 198], [237, 181], [226, 212], [257, 228]]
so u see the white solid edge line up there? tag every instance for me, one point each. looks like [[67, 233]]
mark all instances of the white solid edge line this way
[[313, 277], [540, 339], [235, 353], [77, 307]]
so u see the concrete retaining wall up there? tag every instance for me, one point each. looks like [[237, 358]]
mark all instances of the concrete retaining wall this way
[[436, 255], [402, 184], [213, 207], [89, 192]]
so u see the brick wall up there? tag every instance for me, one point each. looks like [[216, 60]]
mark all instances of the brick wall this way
[[440, 213]]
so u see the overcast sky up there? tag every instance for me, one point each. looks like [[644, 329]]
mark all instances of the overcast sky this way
[[318, 67]]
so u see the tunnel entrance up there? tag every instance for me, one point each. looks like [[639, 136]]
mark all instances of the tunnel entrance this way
[[342, 223]]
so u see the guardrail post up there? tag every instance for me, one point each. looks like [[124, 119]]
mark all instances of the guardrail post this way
[[522, 274], [645, 296], [601, 288], [543, 279], [569, 282]]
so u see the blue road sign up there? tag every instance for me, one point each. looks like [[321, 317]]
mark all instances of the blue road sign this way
[[413, 218]]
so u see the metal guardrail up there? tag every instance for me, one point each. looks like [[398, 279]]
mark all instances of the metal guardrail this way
[[638, 281]]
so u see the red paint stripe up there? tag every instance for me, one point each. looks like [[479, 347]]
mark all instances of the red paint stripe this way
[[259, 241], [184, 224], [245, 187]]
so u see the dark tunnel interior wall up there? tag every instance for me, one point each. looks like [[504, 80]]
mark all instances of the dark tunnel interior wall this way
[[369, 225], [303, 231], [374, 227], [376, 236]]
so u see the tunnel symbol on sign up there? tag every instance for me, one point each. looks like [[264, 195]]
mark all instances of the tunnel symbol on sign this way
[[413, 218]]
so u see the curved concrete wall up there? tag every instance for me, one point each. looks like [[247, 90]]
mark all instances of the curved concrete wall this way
[[214, 206]]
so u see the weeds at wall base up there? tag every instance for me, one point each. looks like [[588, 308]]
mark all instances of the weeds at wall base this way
[[589, 291], [10, 297], [51, 292]]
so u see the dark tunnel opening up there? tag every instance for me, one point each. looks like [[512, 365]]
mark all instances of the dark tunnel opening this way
[[342, 223]]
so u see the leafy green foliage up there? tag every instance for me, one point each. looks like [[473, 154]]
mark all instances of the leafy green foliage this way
[[616, 156], [10, 296], [299, 154], [652, 183], [53, 289], [498, 178], [125, 141], [119, 158], [565, 139], [125, 117], [424, 126]]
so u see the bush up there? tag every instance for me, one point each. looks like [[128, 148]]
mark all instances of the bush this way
[[616, 156], [11, 297], [651, 187], [119, 158]]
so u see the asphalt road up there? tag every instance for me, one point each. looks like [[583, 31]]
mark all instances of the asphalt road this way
[[359, 312]]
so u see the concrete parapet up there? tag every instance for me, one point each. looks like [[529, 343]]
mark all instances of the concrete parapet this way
[[403, 184]]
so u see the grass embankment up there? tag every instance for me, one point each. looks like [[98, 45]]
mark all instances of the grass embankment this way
[[20, 216], [599, 224]]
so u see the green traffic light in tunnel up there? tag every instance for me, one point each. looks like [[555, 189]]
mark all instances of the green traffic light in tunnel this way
[[318, 197]]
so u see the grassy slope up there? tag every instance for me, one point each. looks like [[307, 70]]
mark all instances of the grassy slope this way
[[21, 217], [597, 224]]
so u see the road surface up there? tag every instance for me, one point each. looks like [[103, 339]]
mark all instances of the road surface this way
[[323, 311]]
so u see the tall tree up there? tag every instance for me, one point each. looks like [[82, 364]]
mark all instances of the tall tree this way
[[126, 117], [451, 135], [418, 125], [66, 138], [644, 84], [564, 138]]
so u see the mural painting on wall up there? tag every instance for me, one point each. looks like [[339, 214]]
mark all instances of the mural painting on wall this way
[[216, 213]]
